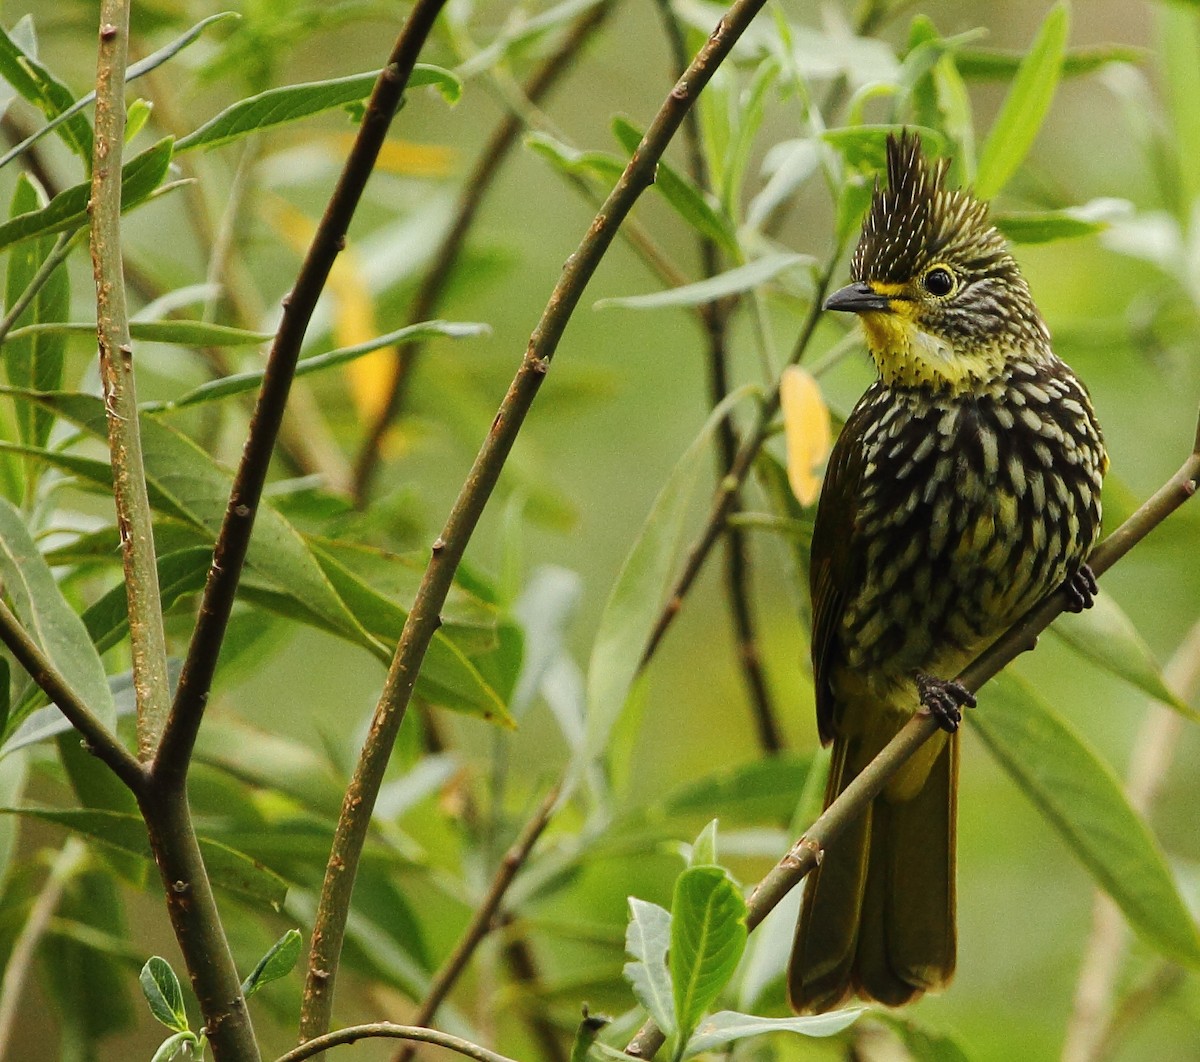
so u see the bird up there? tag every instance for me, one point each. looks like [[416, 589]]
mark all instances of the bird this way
[[964, 487]]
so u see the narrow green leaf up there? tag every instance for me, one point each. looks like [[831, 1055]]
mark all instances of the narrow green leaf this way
[[278, 962], [864, 147], [640, 590], [249, 381], [228, 868], [924, 1044], [648, 939], [1081, 797], [748, 793], [708, 936], [174, 1045], [162, 990], [291, 103], [1025, 106], [140, 176], [996, 64], [20, 68], [728, 1026], [585, 1035], [1179, 47], [704, 847], [34, 361], [48, 618], [1045, 226], [573, 162], [183, 333], [523, 29], [731, 282], [1107, 637], [690, 202]]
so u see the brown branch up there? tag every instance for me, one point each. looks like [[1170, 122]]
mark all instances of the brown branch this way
[[1153, 751], [478, 183], [229, 554], [424, 618], [135, 520], [484, 918], [714, 319], [805, 854], [386, 1030]]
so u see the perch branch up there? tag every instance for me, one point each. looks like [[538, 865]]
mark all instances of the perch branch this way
[[424, 618], [805, 854], [386, 1030]]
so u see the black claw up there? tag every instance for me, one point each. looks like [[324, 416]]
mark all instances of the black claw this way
[[1081, 589], [944, 700]]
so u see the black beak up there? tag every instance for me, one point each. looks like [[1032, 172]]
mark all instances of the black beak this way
[[857, 298]]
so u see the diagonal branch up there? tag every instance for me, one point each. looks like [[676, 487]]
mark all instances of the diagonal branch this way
[[476, 187], [805, 854], [229, 554], [423, 620]]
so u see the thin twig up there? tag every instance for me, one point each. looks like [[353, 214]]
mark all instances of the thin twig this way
[[1153, 751], [475, 188], [63, 246], [424, 618], [148, 644], [20, 960], [726, 493], [484, 918], [804, 856], [386, 1030], [714, 318], [229, 554], [101, 742]]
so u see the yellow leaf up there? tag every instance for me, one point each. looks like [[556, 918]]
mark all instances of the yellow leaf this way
[[404, 157], [368, 377], [806, 431]]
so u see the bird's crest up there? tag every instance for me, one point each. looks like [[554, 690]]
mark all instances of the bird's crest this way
[[917, 220]]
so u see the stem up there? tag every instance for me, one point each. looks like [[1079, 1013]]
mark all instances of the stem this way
[[478, 183], [1091, 1019], [70, 858], [229, 554], [134, 520], [423, 620], [386, 1030], [197, 924], [725, 496], [101, 742], [483, 921], [714, 319], [804, 856], [63, 246]]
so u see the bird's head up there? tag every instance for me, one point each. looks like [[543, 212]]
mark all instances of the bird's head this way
[[942, 301]]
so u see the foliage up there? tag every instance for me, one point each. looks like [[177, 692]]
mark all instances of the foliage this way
[[556, 658]]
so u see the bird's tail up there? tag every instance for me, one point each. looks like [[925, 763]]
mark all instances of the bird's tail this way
[[877, 918]]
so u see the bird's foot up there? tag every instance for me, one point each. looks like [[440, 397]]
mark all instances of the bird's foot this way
[[944, 700], [1081, 589]]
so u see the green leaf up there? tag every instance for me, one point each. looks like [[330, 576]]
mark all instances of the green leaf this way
[[1081, 797], [229, 869], [689, 201], [174, 1045], [641, 588], [754, 792], [864, 147], [648, 939], [522, 29], [290, 103], [1107, 637], [704, 847], [34, 361], [1045, 226], [924, 1044], [21, 69], [140, 176], [728, 1026], [996, 64], [1179, 47], [278, 962], [182, 333], [732, 282], [162, 990], [573, 162], [1024, 108], [48, 618], [585, 1035], [708, 936], [249, 381]]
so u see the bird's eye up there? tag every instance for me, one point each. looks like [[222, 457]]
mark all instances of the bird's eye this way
[[939, 281]]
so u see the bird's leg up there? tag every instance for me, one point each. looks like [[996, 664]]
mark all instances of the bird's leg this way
[[944, 699], [1081, 589]]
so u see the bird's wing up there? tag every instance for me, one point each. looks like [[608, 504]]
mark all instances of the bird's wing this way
[[836, 565]]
